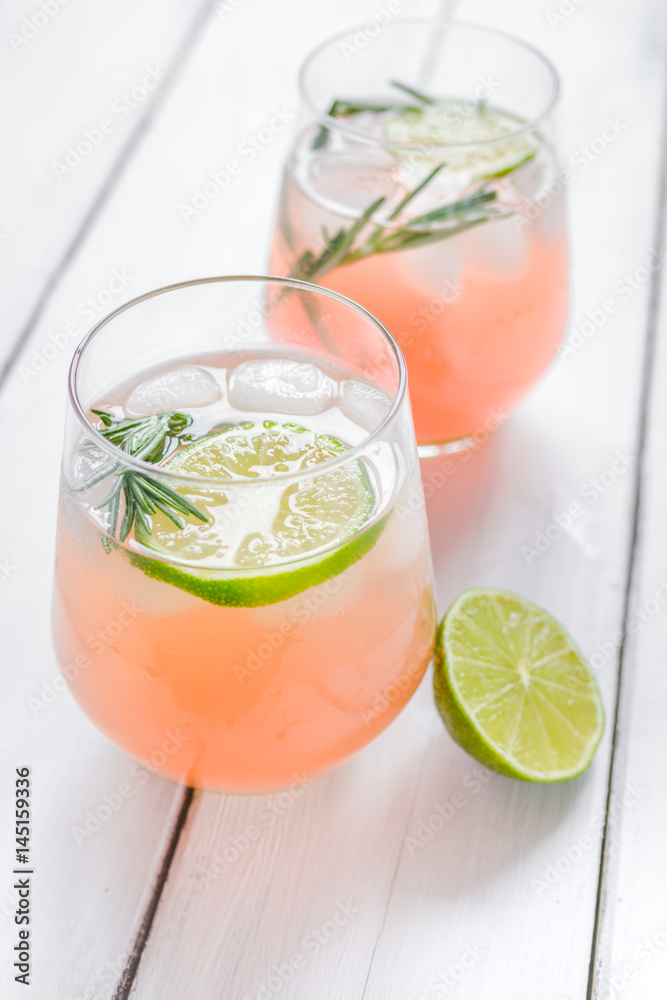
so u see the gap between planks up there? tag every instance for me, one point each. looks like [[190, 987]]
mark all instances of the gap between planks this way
[[129, 973]]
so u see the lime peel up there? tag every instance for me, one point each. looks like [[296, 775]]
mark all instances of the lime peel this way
[[301, 533], [260, 589]]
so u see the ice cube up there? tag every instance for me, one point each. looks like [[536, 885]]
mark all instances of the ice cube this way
[[532, 192], [179, 388], [354, 175], [529, 180], [282, 386], [437, 267], [89, 466], [363, 403], [498, 246]]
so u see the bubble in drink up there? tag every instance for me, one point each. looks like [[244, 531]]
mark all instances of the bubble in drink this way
[[181, 387], [282, 386]]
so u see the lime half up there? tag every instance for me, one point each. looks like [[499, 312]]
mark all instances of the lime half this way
[[456, 123], [262, 542], [513, 689]]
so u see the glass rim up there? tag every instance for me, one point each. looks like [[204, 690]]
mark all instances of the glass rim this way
[[339, 125], [209, 481]]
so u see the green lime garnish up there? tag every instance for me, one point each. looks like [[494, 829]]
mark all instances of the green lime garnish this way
[[271, 541], [456, 123], [513, 689]]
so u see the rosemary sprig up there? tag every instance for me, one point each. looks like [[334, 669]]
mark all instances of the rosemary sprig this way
[[340, 249], [343, 109], [147, 438], [420, 95], [474, 208]]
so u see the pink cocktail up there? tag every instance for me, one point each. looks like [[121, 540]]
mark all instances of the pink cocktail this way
[[274, 611], [424, 185]]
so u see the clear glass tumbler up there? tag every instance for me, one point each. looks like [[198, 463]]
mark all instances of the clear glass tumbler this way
[[243, 581], [423, 184]]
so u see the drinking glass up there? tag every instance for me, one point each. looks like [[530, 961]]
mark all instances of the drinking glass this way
[[423, 184], [273, 611]]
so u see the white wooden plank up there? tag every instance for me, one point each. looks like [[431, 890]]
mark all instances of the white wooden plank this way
[[471, 891], [63, 71], [631, 961]]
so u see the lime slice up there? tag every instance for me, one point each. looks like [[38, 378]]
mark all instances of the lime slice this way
[[247, 548], [513, 689], [454, 122]]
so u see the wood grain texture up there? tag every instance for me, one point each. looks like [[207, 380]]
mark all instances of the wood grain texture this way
[[338, 896]]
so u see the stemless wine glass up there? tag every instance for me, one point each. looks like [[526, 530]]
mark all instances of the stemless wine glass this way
[[424, 185], [243, 581]]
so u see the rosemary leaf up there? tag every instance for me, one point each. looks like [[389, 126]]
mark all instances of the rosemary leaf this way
[[454, 208], [415, 191], [128, 517], [149, 439], [424, 98], [170, 514], [412, 240]]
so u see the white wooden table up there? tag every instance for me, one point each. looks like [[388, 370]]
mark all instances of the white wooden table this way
[[525, 893]]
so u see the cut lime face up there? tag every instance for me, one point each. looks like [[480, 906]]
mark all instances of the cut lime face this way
[[456, 123], [244, 554], [513, 689]]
